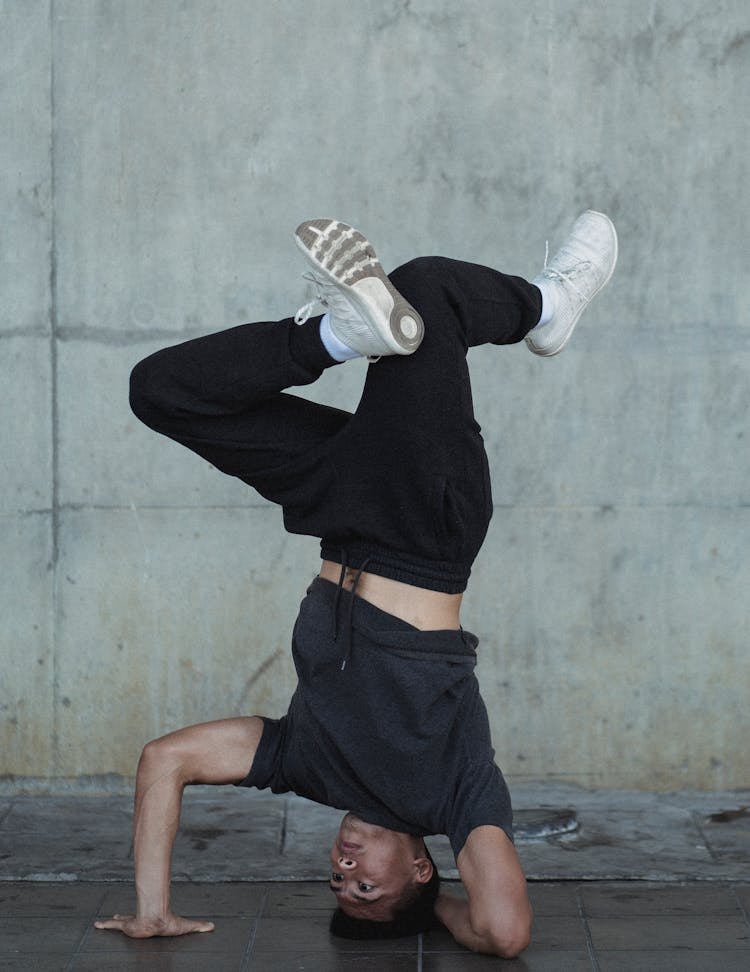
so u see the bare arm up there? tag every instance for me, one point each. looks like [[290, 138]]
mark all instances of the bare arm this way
[[213, 752], [497, 917]]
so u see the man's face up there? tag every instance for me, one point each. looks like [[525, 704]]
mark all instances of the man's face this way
[[371, 868]]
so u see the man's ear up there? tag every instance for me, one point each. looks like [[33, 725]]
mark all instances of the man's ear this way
[[424, 868]]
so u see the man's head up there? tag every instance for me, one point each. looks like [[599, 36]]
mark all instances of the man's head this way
[[385, 882]]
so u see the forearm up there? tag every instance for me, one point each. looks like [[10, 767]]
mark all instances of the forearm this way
[[156, 820]]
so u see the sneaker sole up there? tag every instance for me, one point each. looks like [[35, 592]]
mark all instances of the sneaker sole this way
[[556, 349], [346, 257]]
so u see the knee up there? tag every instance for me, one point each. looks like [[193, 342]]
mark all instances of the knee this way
[[140, 388], [147, 397], [418, 272]]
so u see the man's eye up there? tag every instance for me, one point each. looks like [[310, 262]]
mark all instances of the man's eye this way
[[337, 877], [364, 888]]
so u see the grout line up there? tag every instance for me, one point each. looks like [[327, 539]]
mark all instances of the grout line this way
[[741, 906], [264, 901], [587, 931], [86, 932], [245, 961]]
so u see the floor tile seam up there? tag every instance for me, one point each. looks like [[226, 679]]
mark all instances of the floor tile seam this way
[[658, 887], [590, 950], [694, 916], [125, 877], [668, 881], [78, 949], [250, 946], [677, 949], [657, 915], [741, 905]]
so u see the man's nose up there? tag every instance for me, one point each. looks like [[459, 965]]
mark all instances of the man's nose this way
[[347, 863]]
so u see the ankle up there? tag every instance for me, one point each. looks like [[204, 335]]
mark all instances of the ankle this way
[[333, 344], [546, 289], [307, 348]]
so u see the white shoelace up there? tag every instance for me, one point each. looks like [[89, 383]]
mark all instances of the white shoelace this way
[[328, 295], [305, 312], [566, 276]]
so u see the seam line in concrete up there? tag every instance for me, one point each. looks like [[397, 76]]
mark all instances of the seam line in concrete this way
[[261, 504], [94, 508], [284, 824], [26, 332], [719, 341], [55, 418], [124, 338]]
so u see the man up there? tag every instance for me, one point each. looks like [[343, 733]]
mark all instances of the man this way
[[387, 720]]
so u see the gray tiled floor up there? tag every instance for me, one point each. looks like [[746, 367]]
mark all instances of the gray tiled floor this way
[[578, 926], [255, 865]]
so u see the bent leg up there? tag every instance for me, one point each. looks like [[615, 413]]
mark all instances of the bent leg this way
[[406, 473], [463, 305], [213, 752], [221, 396]]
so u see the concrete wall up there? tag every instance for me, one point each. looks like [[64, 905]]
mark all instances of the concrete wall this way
[[156, 157]]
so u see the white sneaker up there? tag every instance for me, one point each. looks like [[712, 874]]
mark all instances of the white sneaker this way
[[367, 313], [575, 274]]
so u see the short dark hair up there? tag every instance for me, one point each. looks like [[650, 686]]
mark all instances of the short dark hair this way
[[414, 914]]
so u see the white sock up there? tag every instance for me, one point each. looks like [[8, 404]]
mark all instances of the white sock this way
[[337, 349], [548, 303]]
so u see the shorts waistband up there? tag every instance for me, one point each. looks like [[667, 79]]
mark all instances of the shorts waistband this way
[[390, 632]]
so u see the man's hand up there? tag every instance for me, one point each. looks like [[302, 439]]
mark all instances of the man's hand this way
[[135, 926]]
